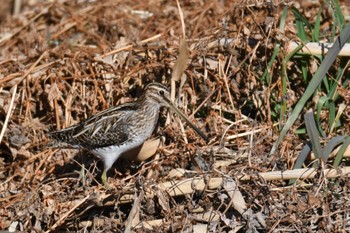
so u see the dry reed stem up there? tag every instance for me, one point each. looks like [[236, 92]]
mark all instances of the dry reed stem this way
[[133, 218], [155, 37], [191, 185], [9, 112], [64, 216], [5, 39], [318, 48]]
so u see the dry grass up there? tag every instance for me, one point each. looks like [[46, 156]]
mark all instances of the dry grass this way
[[62, 62]]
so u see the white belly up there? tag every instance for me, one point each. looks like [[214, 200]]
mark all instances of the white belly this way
[[110, 154]]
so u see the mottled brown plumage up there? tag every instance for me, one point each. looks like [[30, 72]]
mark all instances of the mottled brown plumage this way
[[118, 129]]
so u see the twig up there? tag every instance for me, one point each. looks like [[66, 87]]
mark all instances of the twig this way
[[133, 213], [209, 216], [316, 48], [199, 183], [5, 39], [130, 46], [31, 70], [304, 173], [8, 113], [32, 67], [59, 221], [223, 76], [205, 100], [246, 133]]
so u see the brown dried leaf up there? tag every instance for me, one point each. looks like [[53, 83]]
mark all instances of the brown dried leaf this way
[[181, 62], [163, 200], [54, 92]]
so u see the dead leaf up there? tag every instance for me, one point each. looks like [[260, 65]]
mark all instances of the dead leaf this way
[[181, 62]]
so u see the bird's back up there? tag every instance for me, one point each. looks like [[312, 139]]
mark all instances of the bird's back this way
[[109, 127]]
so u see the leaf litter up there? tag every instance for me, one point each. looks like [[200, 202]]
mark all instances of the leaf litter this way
[[63, 61]]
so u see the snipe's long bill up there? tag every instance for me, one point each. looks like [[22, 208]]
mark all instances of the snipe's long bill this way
[[118, 129]]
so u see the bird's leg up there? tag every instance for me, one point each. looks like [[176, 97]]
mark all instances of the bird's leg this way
[[104, 179]]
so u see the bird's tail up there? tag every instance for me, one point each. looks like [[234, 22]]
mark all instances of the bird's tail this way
[[61, 139]]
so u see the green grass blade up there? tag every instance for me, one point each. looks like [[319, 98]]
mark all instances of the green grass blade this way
[[314, 83], [283, 18], [314, 136], [266, 75], [340, 154], [336, 122], [334, 142], [340, 19], [301, 22], [320, 104], [284, 80], [302, 156], [317, 27], [333, 93], [326, 84], [301, 159], [331, 110]]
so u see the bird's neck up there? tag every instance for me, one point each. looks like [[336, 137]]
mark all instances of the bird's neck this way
[[149, 105]]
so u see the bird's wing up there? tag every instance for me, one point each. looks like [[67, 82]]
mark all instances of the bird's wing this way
[[109, 127]]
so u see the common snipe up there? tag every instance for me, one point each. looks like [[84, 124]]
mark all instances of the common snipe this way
[[118, 129]]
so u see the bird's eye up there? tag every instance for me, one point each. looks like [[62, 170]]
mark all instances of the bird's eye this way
[[161, 92]]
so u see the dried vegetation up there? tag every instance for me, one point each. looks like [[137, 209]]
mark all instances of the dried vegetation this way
[[61, 62]]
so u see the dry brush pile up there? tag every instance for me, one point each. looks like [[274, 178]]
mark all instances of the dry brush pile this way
[[63, 61]]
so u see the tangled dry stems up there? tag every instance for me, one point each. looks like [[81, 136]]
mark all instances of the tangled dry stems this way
[[64, 61]]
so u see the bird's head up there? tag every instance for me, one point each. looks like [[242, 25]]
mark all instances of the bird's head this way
[[158, 93]]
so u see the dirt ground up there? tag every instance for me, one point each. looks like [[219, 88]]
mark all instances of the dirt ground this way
[[64, 61]]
